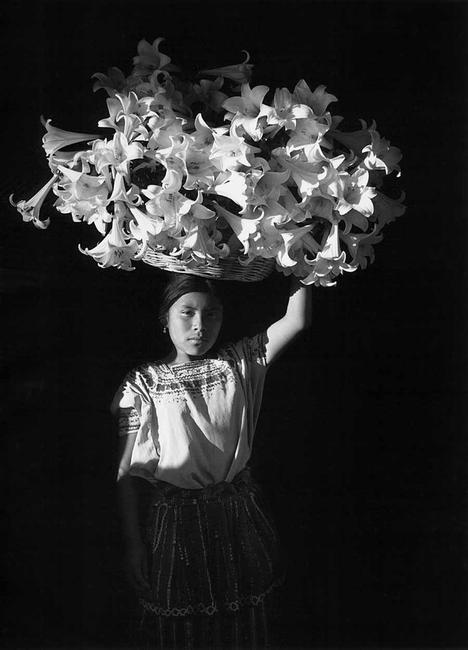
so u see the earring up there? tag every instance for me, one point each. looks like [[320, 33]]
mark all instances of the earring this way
[[164, 329]]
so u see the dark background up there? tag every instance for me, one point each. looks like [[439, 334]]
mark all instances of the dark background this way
[[362, 444]]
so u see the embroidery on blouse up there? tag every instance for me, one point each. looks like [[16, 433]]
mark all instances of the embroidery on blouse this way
[[173, 383], [129, 422], [202, 377]]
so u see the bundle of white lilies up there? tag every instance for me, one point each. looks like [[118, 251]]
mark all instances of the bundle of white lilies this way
[[206, 174]]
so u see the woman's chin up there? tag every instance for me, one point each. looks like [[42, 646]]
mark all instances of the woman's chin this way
[[198, 348], [198, 352]]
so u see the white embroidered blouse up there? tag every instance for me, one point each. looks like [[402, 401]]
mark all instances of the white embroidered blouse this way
[[195, 421]]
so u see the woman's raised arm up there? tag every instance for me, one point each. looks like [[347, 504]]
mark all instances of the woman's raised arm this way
[[297, 318]]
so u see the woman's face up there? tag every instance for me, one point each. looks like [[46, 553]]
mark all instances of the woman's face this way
[[194, 321]]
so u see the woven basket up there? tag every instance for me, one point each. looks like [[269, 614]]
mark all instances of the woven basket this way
[[228, 268]]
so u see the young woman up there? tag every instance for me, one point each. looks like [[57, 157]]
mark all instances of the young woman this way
[[204, 556]]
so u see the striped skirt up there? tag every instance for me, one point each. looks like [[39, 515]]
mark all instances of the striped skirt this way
[[214, 563]]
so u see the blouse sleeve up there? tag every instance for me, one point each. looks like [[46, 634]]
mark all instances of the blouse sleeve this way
[[133, 407], [129, 404], [254, 350]]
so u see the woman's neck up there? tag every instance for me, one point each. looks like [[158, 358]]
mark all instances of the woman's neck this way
[[176, 357]]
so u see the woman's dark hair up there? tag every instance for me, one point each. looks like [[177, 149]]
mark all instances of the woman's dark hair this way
[[180, 284]]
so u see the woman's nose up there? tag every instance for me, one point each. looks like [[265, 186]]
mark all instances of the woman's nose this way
[[198, 322]]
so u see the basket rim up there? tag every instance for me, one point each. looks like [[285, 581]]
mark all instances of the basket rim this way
[[226, 268]]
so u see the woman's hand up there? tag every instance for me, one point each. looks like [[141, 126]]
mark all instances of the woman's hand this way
[[137, 566]]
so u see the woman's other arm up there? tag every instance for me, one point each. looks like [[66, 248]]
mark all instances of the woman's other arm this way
[[129, 509], [297, 318]]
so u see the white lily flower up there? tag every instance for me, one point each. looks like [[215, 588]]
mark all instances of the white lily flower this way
[[266, 239], [306, 172], [80, 194], [159, 88], [81, 185], [354, 194], [56, 138], [308, 131], [246, 111], [232, 185], [286, 112], [294, 208], [173, 159], [381, 155], [114, 106], [229, 152], [101, 217], [125, 115], [242, 226], [117, 154], [241, 73], [171, 205], [113, 250], [163, 129], [114, 82], [203, 135], [330, 262], [30, 210], [269, 186], [144, 228], [198, 168], [329, 186], [149, 58], [292, 241], [120, 192], [318, 100], [201, 243], [361, 247]]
